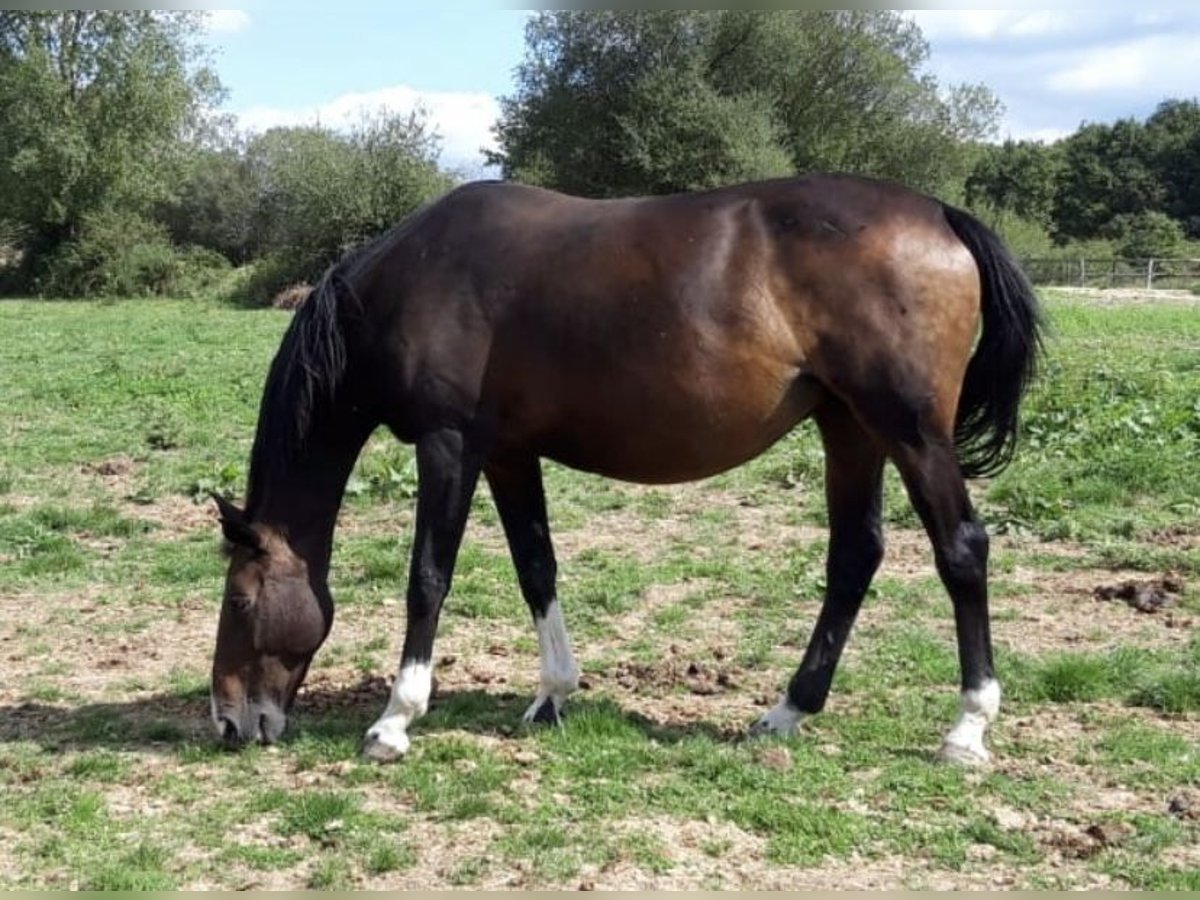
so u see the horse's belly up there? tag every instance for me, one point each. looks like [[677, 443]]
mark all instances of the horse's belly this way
[[653, 440]]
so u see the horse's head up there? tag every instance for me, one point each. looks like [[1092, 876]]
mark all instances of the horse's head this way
[[271, 625]]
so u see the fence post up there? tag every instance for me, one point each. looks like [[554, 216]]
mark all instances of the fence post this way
[[1150, 276], [1083, 273]]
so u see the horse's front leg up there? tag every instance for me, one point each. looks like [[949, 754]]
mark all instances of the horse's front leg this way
[[520, 499], [447, 471]]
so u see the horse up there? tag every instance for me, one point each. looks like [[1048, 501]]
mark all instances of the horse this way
[[654, 340]]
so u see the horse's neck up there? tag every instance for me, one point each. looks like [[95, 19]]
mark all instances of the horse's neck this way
[[301, 494]]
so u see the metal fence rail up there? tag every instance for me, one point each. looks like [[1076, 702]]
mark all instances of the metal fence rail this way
[[1148, 274]]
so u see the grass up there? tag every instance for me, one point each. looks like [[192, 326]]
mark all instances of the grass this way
[[109, 576]]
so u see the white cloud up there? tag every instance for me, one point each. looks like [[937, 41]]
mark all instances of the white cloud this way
[[1054, 72], [1163, 64], [462, 120], [990, 24], [226, 21], [1039, 24]]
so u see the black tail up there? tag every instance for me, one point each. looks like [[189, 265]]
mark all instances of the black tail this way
[[1006, 357]]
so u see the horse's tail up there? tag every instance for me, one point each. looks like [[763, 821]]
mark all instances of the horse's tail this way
[[1006, 356]]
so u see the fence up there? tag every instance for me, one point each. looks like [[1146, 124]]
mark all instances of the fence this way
[[1145, 274]]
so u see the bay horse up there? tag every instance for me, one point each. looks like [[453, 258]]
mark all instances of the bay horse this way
[[655, 340]]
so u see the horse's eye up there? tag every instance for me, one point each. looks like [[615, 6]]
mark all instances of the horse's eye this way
[[241, 602]]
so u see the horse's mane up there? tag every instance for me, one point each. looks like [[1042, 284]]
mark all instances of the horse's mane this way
[[305, 373]]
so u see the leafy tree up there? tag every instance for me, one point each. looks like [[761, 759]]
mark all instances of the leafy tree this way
[[621, 102], [216, 205], [320, 192], [1175, 135], [1108, 171], [1147, 235], [94, 108], [1017, 178]]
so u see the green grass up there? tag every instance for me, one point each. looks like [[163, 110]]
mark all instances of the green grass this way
[[1111, 434], [111, 781]]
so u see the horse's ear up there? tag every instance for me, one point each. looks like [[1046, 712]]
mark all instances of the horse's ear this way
[[234, 526]]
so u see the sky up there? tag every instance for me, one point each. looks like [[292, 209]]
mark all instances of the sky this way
[[1052, 69]]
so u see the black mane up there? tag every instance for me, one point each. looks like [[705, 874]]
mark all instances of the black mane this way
[[305, 373]]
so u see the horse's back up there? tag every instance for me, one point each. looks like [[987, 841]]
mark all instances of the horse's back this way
[[667, 338]]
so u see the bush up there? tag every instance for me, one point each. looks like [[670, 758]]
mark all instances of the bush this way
[[1024, 237], [121, 254], [323, 192], [12, 254], [1147, 235], [262, 279]]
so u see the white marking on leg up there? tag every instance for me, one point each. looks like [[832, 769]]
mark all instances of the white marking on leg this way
[[560, 672], [388, 739], [216, 719], [782, 720], [964, 743]]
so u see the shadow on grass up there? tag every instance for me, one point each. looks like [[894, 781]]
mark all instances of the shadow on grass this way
[[174, 724]]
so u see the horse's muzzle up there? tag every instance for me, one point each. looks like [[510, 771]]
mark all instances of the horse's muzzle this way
[[260, 725]]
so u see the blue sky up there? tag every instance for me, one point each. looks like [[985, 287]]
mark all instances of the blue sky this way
[[1053, 69]]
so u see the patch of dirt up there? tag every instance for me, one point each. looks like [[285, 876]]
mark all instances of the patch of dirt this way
[[10, 864], [176, 516], [1178, 537], [1185, 806], [1067, 841], [1128, 296], [292, 297], [1143, 596], [1057, 743], [93, 645], [170, 514], [697, 677], [118, 466], [1063, 612]]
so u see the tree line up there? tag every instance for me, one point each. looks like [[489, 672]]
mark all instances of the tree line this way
[[119, 174], [1133, 186]]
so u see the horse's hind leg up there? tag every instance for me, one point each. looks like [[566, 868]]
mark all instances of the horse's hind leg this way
[[931, 473], [447, 471], [517, 489], [853, 488]]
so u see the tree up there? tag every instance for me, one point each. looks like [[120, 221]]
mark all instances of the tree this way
[[1108, 171], [321, 192], [216, 205], [1017, 178], [1174, 131], [95, 106], [622, 102], [1147, 235]]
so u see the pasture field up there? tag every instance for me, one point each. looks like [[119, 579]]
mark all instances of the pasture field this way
[[689, 608]]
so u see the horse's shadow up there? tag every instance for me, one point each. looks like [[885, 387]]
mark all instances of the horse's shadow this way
[[174, 724]]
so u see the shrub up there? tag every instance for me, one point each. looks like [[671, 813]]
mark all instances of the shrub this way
[[12, 254], [323, 192], [264, 278], [121, 254], [1147, 235]]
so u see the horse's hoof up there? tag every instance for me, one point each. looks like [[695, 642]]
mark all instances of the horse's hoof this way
[[959, 755], [761, 729], [544, 712], [376, 749], [782, 721]]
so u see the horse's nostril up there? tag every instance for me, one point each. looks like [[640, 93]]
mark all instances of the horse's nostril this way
[[230, 734]]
